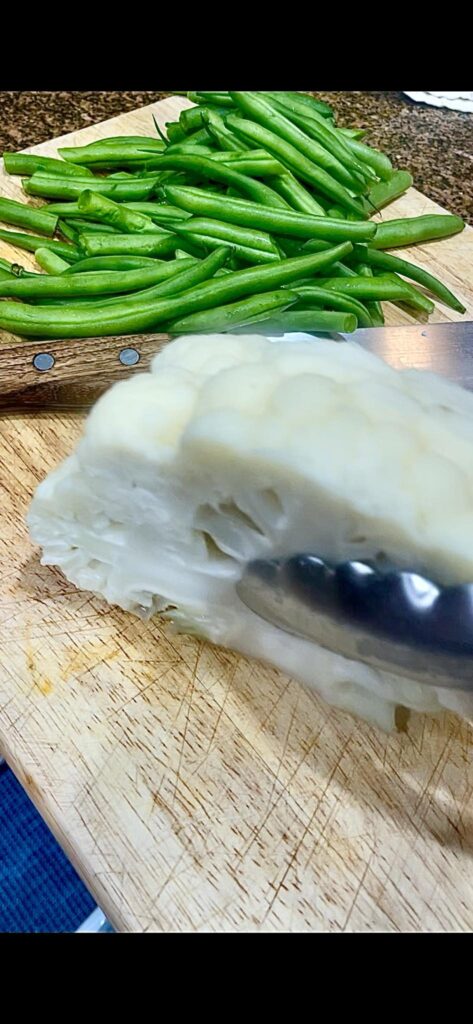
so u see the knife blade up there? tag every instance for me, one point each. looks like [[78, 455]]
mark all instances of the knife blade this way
[[72, 374], [445, 348]]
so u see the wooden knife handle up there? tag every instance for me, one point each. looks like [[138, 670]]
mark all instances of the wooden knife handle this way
[[40, 372]]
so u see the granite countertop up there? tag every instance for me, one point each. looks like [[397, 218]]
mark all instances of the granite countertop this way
[[436, 145]]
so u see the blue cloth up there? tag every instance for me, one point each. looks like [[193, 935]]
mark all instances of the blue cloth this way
[[39, 889]]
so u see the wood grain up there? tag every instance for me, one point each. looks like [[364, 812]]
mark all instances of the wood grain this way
[[195, 790], [82, 368]]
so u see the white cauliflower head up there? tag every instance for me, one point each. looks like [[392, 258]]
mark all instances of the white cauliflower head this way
[[237, 447]]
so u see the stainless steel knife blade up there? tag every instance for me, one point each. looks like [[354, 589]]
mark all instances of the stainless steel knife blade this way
[[446, 349]]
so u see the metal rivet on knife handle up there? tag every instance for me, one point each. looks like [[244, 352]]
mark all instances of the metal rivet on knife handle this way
[[129, 356], [43, 361]]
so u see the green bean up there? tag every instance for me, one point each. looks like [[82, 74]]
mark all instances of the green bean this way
[[192, 120], [314, 295], [328, 204], [339, 269], [174, 132], [258, 157], [160, 132], [375, 311], [70, 188], [119, 217], [145, 244], [319, 245], [229, 234], [299, 164], [97, 302], [19, 271], [187, 275], [5, 275], [392, 234], [250, 163], [181, 255], [261, 279], [296, 105], [173, 177], [318, 128], [219, 99], [194, 246], [254, 162], [293, 246], [246, 253], [385, 261], [29, 163], [276, 221], [311, 321], [5, 265], [190, 147], [385, 192], [387, 286], [119, 160], [151, 292], [68, 231], [132, 314], [243, 163], [65, 210], [304, 100], [218, 130], [124, 140], [259, 110], [120, 263], [198, 246], [84, 227], [200, 138], [24, 216], [160, 209], [250, 188], [72, 210], [51, 262], [111, 150], [353, 133], [374, 308], [220, 140], [380, 163], [30, 242], [235, 314], [92, 283], [298, 197], [165, 222]]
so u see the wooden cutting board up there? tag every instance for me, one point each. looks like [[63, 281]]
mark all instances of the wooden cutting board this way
[[195, 790]]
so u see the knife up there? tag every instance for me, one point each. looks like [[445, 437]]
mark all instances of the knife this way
[[71, 374]]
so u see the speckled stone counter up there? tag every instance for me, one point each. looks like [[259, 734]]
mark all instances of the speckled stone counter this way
[[436, 145]]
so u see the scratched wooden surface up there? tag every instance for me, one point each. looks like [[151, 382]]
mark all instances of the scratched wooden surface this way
[[198, 791]]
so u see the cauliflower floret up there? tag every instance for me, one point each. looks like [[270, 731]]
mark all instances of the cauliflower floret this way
[[236, 447]]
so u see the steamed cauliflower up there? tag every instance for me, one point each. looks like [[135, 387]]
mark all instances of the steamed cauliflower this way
[[236, 447]]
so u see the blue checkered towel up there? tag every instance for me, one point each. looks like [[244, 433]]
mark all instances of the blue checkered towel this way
[[39, 889]]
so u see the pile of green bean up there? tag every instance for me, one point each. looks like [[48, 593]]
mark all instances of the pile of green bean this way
[[251, 208]]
